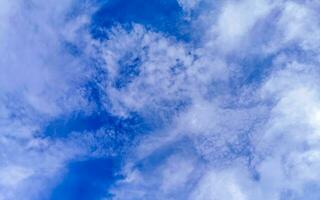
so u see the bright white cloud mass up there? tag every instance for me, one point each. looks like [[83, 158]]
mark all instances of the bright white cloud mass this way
[[225, 107]]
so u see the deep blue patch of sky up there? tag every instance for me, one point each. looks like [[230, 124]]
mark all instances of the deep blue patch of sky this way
[[87, 180], [161, 16]]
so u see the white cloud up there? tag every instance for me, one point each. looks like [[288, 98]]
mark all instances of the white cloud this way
[[39, 81], [249, 141], [12, 175], [29, 168], [230, 139], [296, 26], [38, 77], [158, 69], [188, 4], [230, 29], [219, 185]]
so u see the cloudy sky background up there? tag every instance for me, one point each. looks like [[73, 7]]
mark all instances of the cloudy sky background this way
[[159, 99]]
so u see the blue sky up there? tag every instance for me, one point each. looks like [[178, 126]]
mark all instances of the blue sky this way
[[159, 100]]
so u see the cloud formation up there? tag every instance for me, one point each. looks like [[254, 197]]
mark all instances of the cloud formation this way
[[234, 110], [234, 138], [39, 81]]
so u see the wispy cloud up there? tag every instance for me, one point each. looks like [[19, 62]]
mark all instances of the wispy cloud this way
[[39, 80], [233, 139], [235, 108]]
